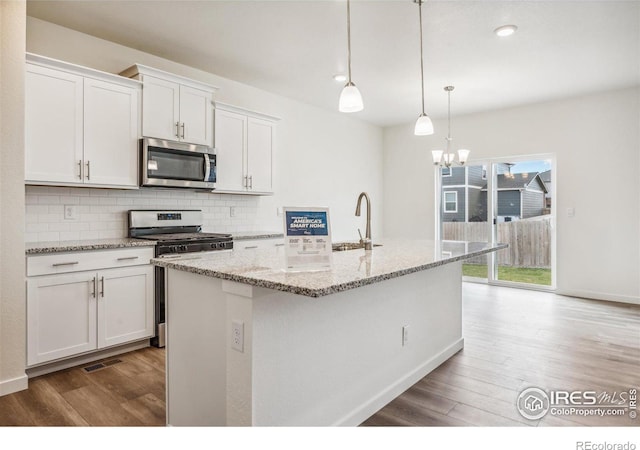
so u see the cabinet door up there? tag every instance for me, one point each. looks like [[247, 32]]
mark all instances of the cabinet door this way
[[260, 154], [53, 125], [196, 126], [230, 136], [110, 133], [160, 108], [125, 305], [61, 316]]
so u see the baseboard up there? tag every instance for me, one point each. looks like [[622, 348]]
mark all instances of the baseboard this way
[[367, 409], [634, 300], [14, 385], [54, 366]]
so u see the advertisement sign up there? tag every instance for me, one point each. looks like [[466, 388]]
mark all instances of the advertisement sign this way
[[307, 238]]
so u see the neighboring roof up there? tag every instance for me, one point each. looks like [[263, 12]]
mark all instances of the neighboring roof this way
[[517, 181], [545, 176]]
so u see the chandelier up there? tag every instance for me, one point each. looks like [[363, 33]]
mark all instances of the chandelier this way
[[446, 157]]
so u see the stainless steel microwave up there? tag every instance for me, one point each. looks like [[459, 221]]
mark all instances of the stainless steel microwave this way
[[177, 164]]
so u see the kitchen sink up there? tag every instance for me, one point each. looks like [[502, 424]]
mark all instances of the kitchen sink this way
[[342, 246]]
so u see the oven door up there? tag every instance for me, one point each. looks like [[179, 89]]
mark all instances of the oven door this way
[[176, 164]]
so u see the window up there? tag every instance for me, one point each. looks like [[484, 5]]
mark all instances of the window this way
[[450, 202], [446, 171]]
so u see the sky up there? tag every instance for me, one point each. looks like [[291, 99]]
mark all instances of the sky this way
[[531, 166]]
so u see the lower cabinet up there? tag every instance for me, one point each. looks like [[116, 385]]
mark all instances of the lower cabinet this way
[[73, 313]]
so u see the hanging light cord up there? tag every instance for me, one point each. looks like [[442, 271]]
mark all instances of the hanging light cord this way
[[349, 37], [421, 57], [449, 121]]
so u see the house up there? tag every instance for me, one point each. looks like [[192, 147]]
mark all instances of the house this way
[[464, 195], [520, 196], [546, 178], [503, 107]]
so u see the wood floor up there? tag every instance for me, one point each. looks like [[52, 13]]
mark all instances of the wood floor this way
[[514, 339], [128, 393]]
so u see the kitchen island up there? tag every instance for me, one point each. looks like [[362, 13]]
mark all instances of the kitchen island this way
[[249, 343]]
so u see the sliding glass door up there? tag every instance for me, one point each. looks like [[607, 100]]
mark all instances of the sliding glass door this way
[[509, 201]]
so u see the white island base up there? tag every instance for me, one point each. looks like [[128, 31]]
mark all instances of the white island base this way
[[332, 360]]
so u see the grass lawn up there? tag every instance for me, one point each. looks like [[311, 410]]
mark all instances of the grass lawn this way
[[505, 273]]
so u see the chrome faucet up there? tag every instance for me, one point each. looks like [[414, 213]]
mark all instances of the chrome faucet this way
[[367, 239]]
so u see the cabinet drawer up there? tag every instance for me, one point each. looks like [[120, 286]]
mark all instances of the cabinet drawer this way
[[250, 244], [87, 260]]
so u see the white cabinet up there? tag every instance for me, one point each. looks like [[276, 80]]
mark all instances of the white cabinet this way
[[81, 126], [173, 107], [244, 142], [86, 301]]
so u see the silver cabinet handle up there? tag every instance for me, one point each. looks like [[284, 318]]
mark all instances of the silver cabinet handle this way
[[80, 169], [250, 246], [65, 264], [102, 291], [250, 181], [182, 127], [279, 245], [177, 129], [246, 181], [128, 258], [93, 286], [88, 170]]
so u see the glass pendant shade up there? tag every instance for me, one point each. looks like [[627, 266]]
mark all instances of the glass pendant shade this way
[[463, 155], [350, 99], [424, 127], [437, 156]]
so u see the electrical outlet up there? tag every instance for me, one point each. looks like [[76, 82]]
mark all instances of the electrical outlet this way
[[405, 335], [237, 335], [70, 212], [232, 211], [279, 211]]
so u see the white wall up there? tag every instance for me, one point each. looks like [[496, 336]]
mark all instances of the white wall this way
[[596, 142], [12, 290], [322, 158]]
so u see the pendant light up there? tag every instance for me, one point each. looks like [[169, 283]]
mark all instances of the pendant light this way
[[350, 98], [423, 126], [447, 158]]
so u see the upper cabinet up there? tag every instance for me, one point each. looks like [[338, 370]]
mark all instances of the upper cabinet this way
[[173, 107], [81, 126], [245, 143]]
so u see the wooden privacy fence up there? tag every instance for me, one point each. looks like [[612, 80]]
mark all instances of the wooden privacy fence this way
[[529, 240]]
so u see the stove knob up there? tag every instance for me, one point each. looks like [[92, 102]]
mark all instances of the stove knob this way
[[173, 249], [213, 245], [183, 248]]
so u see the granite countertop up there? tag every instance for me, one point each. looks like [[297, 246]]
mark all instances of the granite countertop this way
[[35, 248], [242, 235], [350, 269]]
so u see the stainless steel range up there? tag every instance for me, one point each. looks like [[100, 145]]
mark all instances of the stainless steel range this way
[[179, 235]]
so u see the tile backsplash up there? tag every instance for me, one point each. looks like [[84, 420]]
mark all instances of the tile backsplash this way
[[102, 213]]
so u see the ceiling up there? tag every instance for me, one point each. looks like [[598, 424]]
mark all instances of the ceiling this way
[[293, 48]]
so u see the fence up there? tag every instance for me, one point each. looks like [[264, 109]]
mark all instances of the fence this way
[[529, 240]]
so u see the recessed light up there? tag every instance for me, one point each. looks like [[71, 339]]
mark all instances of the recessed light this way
[[340, 78], [505, 30]]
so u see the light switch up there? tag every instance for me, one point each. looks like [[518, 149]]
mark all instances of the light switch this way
[[571, 212]]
